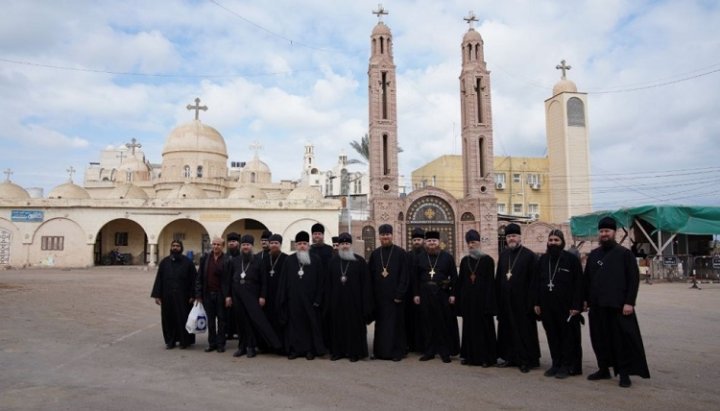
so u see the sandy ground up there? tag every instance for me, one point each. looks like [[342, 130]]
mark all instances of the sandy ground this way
[[91, 340]]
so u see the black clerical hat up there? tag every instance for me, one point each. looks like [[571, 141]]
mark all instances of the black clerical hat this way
[[233, 236], [276, 237], [472, 235], [432, 235], [335, 240], [317, 228], [418, 233], [265, 235], [302, 236], [247, 239], [607, 222], [512, 228], [385, 229], [344, 238]]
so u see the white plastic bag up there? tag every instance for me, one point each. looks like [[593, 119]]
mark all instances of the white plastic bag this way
[[197, 320]]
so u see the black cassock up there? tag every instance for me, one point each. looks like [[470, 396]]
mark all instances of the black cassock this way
[[556, 301], [612, 279], [325, 253], [175, 286], [272, 268], [440, 328], [475, 299], [231, 328], [350, 305], [299, 301], [517, 324], [389, 267], [246, 286], [413, 317]]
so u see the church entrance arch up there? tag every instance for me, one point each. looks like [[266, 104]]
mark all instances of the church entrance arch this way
[[247, 226], [432, 213], [121, 241], [193, 235]]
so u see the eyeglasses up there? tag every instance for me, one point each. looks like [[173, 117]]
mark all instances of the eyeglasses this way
[[217, 244]]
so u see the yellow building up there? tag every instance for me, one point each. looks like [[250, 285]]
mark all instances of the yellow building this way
[[521, 183]]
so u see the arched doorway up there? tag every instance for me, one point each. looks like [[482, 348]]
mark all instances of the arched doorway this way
[[193, 235], [432, 213], [247, 226], [121, 241]]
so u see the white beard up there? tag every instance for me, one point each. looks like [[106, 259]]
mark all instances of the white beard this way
[[475, 253], [346, 255], [303, 257]]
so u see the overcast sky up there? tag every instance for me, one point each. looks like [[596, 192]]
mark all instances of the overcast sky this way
[[77, 76]]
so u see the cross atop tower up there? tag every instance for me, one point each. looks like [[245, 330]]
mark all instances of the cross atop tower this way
[[380, 12], [7, 173], [256, 147], [197, 107], [132, 146], [71, 171], [564, 67], [471, 19]]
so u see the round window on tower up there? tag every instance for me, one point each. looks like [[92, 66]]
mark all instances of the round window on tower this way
[[386, 188]]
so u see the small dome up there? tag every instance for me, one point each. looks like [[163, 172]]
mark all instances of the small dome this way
[[472, 35], [248, 192], [11, 191], [127, 192], [381, 30], [257, 166], [305, 193], [195, 137], [69, 190], [563, 86], [133, 164], [186, 191]]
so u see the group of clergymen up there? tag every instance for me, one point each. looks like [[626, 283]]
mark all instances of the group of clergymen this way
[[321, 299]]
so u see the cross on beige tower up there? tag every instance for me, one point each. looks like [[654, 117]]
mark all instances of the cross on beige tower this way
[[7, 173], [564, 67], [132, 145], [256, 147], [197, 107], [71, 172], [380, 12], [471, 19]]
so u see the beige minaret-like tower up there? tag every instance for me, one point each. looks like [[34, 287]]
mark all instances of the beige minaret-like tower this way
[[383, 146], [475, 104], [566, 122]]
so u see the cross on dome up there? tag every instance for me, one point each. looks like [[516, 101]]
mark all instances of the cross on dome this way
[[70, 172], [197, 107], [380, 12], [7, 173], [471, 19], [564, 67], [132, 146]]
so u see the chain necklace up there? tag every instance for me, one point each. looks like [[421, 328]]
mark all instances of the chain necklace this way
[[385, 272], [432, 266], [272, 264], [473, 270], [343, 272], [552, 273], [244, 267], [300, 271], [511, 265]]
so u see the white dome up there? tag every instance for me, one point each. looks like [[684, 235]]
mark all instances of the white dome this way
[[305, 193], [564, 86], [257, 166], [127, 192], [472, 35], [69, 190], [186, 191], [248, 192], [11, 191], [195, 137]]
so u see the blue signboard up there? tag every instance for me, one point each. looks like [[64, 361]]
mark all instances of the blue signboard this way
[[27, 216]]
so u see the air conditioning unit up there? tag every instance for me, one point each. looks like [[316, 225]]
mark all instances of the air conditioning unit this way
[[535, 186], [500, 186]]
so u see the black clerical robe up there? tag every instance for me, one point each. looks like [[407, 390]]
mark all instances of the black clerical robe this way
[[517, 327], [413, 317], [299, 302], [175, 286], [325, 253], [612, 280], [246, 286], [272, 269], [389, 276], [435, 277], [475, 299], [559, 289], [350, 306]]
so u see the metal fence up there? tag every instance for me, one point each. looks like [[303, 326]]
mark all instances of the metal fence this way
[[684, 267]]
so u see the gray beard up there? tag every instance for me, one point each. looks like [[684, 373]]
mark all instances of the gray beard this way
[[303, 257], [346, 255], [475, 253]]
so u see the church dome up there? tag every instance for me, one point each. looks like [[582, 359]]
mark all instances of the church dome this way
[[257, 166], [186, 191], [381, 30], [12, 191], [69, 190], [195, 137], [305, 193], [472, 35], [563, 86], [127, 192], [247, 192]]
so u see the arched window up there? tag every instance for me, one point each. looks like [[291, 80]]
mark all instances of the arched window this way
[[576, 112], [253, 177], [186, 172], [199, 171]]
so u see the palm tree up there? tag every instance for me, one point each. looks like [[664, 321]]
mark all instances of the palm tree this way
[[362, 147]]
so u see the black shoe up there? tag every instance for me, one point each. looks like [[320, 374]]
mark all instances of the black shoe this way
[[464, 361], [354, 359], [524, 369], [601, 374], [396, 359], [551, 372], [210, 349], [239, 353], [221, 349], [446, 359], [625, 381], [169, 346], [505, 364], [292, 355], [486, 365], [309, 356], [251, 352], [427, 357], [562, 373], [184, 346], [335, 357]]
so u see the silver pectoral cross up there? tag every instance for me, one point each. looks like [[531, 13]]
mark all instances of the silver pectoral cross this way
[[550, 286]]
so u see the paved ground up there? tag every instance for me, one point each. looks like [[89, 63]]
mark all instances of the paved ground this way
[[90, 340]]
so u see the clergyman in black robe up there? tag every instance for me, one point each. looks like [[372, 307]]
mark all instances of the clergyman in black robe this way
[[436, 274], [245, 292], [325, 252], [413, 318], [475, 299], [233, 251], [558, 302], [300, 295], [272, 265], [173, 291], [349, 302], [612, 281], [389, 267], [517, 325]]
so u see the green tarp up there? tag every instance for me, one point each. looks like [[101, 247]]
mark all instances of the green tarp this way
[[671, 219]]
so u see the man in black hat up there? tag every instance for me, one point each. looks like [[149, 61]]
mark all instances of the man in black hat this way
[[612, 280], [389, 265], [325, 253], [233, 252], [413, 319], [264, 243], [436, 274], [558, 302], [272, 268], [349, 302], [517, 328], [208, 289], [246, 292], [263, 257], [475, 299], [300, 294], [173, 291], [335, 244], [417, 240]]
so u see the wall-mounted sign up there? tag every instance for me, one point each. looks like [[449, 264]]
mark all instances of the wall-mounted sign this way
[[27, 216]]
